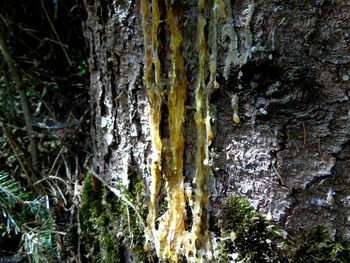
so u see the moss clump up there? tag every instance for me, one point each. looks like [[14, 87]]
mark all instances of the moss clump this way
[[99, 242], [90, 209], [317, 246], [251, 235], [109, 225]]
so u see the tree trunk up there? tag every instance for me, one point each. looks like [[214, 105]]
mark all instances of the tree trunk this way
[[281, 111]]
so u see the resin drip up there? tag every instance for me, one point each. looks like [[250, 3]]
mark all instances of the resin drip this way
[[173, 221], [167, 232], [154, 93], [199, 231]]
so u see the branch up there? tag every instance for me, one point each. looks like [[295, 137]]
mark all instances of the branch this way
[[23, 99], [22, 160], [55, 32]]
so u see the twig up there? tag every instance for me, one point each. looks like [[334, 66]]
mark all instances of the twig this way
[[68, 170], [119, 194], [23, 98], [9, 94], [56, 159], [305, 134], [22, 160], [15, 148], [79, 236], [25, 225], [76, 173], [55, 32], [22, 129], [278, 174], [54, 177]]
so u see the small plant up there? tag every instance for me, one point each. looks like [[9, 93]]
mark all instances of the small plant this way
[[10, 196], [317, 246], [109, 222], [251, 236], [29, 219]]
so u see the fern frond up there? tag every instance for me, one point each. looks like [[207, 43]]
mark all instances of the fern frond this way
[[10, 194], [38, 242], [37, 239], [10, 191], [10, 223]]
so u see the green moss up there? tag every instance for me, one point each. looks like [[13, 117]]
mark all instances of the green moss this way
[[317, 246], [108, 224], [247, 234], [90, 209], [251, 234]]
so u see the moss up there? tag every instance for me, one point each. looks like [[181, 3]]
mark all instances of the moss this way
[[108, 224], [90, 208], [251, 235], [317, 246]]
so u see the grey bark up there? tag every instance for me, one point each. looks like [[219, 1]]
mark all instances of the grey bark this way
[[290, 153]]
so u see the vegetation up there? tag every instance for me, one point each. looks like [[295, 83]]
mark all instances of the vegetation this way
[[318, 246], [43, 72], [27, 218], [109, 223], [252, 238]]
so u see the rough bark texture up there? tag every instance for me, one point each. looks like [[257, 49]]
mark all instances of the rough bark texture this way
[[117, 97], [290, 153]]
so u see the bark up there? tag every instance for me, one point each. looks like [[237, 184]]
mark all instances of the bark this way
[[289, 154]]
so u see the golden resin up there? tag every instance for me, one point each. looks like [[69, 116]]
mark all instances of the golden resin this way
[[167, 233], [199, 232], [170, 238], [173, 221], [154, 93]]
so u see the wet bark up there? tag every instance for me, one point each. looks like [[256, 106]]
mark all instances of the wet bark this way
[[290, 153]]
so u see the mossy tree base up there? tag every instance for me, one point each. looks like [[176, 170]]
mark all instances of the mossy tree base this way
[[111, 230]]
